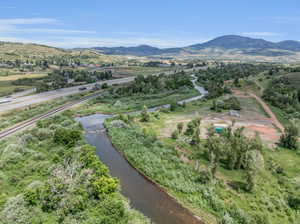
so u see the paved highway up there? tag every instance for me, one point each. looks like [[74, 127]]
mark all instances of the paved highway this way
[[25, 124], [24, 101]]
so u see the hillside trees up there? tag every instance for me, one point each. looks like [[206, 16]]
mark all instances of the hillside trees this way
[[215, 79], [289, 139], [232, 149]]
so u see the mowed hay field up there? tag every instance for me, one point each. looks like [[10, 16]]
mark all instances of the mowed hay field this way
[[22, 76], [7, 88], [6, 82]]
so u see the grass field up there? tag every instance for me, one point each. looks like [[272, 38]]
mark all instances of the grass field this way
[[140, 70], [22, 76], [7, 88], [108, 104]]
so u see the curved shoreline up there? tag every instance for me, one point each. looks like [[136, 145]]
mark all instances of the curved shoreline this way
[[161, 188]]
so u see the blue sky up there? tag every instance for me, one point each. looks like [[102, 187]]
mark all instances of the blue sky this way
[[161, 23]]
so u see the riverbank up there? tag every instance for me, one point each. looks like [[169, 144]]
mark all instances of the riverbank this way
[[162, 166], [144, 196], [172, 164]]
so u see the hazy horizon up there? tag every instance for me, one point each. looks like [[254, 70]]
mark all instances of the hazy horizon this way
[[159, 24]]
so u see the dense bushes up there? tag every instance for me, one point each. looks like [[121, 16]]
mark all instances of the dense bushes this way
[[66, 137], [231, 103], [289, 139], [61, 78], [155, 84], [51, 176], [214, 79], [284, 93]]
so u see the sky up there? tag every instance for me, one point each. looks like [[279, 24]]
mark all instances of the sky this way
[[160, 23]]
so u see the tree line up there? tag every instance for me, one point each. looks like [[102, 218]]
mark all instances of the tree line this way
[[152, 84]]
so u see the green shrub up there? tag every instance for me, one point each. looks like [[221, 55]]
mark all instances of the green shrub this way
[[294, 202], [104, 185], [175, 134], [66, 137], [90, 160]]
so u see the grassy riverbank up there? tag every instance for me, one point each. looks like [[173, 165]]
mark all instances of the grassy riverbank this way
[[172, 164], [114, 105], [49, 175]]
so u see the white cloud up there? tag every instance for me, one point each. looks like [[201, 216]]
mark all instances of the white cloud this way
[[16, 29], [261, 34], [16, 25], [12, 29], [28, 21]]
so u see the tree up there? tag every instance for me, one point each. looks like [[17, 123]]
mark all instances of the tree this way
[[191, 126], [66, 136], [180, 127], [289, 139], [196, 137], [252, 166], [215, 149], [236, 82], [173, 106], [175, 134], [190, 129], [145, 115], [104, 86]]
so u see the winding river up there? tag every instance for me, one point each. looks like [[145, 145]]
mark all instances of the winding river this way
[[144, 196]]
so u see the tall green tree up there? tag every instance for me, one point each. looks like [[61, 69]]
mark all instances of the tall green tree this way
[[145, 116], [289, 139]]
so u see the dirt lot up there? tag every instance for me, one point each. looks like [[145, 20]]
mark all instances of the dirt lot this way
[[252, 117], [254, 124]]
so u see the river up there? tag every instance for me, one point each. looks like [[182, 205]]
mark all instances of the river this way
[[144, 196]]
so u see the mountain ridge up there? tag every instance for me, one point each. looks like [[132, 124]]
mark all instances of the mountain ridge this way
[[224, 42]]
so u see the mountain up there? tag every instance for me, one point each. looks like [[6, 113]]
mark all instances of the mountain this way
[[234, 41], [142, 50], [290, 45], [247, 45]]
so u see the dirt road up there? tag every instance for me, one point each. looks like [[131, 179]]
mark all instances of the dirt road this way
[[267, 109]]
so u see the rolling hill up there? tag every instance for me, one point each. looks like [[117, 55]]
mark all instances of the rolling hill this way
[[246, 45], [230, 47], [141, 50], [30, 51]]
